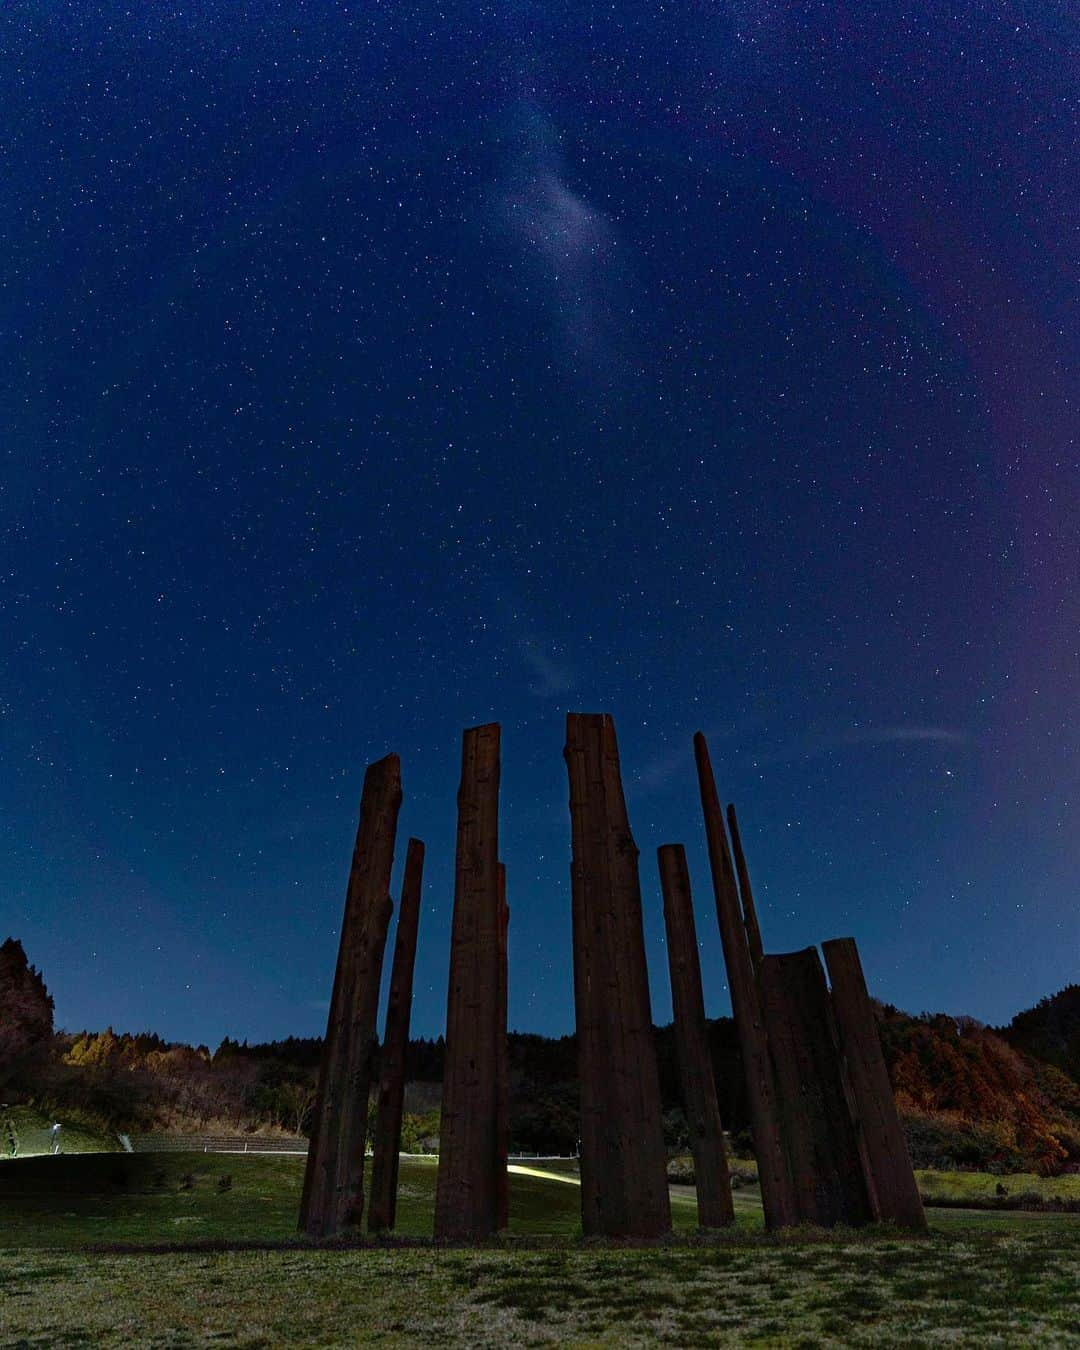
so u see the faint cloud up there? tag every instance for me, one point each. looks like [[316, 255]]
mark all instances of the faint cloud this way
[[871, 736], [895, 735], [660, 771], [551, 673], [677, 760], [551, 677]]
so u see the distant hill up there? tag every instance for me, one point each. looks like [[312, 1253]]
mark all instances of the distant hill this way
[[969, 1096], [1050, 1031]]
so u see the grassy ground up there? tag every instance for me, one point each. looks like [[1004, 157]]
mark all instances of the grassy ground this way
[[69, 1202], [976, 1188], [1019, 1289], [980, 1278]]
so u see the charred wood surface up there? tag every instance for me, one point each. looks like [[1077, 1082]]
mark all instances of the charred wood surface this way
[[467, 1191], [894, 1191], [623, 1162], [502, 1120], [746, 895], [382, 1209], [822, 1146], [695, 1062], [776, 1187], [333, 1195]]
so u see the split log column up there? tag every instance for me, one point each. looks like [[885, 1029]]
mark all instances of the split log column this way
[[502, 1113], [881, 1136], [691, 1039], [826, 1169], [776, 1189], [384, 1168], [333, 1196], [467, 1198], [624, 1189]]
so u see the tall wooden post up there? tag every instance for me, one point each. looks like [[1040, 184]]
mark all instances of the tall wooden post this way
[[333, 1195], [776, 1190], [885, 1155], [623, 1161], [466, 1196], [746, 895], [826, 1169], [695, 1062], [502, 1120], [589, 961], [382, 1208]]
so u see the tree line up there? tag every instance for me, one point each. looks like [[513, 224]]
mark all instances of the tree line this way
[[969, 1096]]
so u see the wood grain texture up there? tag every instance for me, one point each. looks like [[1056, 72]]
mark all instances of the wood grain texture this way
[[777, 1194], [891, 1181], [623, 1160], [467, 1190], [382, 1209], [826, 1169], [711, 1173], [333, 1196], [502, 1119], [746, 895]]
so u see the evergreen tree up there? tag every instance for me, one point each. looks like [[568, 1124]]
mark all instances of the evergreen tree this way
[[26, 1010]]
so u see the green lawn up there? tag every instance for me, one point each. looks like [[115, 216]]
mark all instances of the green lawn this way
[[999, 1278], [69, 1202], [981, 1187]]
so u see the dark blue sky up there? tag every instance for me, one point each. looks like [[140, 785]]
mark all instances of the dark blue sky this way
[[370, 371]]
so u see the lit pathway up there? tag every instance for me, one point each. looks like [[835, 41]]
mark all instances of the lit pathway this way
[[538, 1172], [683, 1195]]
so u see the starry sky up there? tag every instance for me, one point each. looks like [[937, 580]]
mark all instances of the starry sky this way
[[372, 370]]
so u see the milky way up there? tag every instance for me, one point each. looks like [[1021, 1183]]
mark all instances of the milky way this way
[[370, 372]]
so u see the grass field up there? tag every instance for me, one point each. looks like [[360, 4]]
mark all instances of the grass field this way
[[980, 1278], [976, 1188]]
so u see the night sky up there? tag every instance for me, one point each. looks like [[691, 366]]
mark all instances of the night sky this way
[[371, 370]]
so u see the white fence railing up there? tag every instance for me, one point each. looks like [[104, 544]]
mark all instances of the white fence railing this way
[[216, 1143]]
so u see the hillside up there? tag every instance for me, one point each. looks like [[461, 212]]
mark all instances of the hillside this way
[[1050, 1031], [969, 1096]]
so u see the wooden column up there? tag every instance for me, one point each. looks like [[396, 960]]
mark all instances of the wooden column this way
[[746, 895], [623, 1161], [333, 1195], [466, 1197], [885, 1155], [502, 1121], [382, 1208], [589, 961], [822, 1147], [695, 1063], [776, 1190]]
